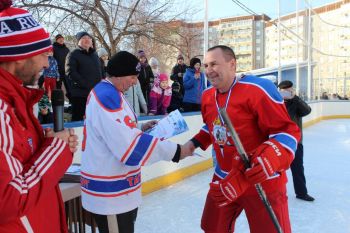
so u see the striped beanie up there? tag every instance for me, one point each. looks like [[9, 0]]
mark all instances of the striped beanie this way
[[21, 36]]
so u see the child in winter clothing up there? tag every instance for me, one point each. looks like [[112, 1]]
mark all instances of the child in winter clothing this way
[[160, 96], [44, 115], [51, 75], [103, 55], [176, 97]]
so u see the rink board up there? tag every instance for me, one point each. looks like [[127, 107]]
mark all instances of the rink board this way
[[162, 174]]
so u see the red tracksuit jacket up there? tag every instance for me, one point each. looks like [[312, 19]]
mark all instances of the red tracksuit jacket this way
[[30, 165]]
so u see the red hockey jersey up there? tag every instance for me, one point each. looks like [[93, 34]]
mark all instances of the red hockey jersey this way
[[257, 112]]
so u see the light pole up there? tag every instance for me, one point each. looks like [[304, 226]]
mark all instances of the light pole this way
[[206, 28]]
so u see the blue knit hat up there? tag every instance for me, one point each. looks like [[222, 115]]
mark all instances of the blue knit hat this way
[[79, 35]]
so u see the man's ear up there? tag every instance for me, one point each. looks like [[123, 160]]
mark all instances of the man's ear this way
[[233, 64]]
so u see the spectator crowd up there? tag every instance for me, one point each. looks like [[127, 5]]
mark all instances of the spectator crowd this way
[[156, 93], [77, 71]]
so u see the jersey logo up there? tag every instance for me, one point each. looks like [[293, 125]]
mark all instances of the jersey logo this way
[[219, 132], [134, 180], [84, 182], [30, 143], [129, 122]]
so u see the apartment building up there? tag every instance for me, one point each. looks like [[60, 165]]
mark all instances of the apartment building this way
[[288, 53], [254, 39], [244, 34], [330, 34]]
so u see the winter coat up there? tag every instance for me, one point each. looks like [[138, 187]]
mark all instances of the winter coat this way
[[193, 87], [175, 75], [136, 99], [83, 71], [31, 165], [297, 108], [52, 70], [60, 53], [156, 74], [176, 98], [146, 79], [103, 68], [159, 100]]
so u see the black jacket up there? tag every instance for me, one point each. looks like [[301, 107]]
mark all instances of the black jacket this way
[[297, 108], [175, 75], [103, 68], [146, 79], [175, 71], [83, 70], [60, 53]]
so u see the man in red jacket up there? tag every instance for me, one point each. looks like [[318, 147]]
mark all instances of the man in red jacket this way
[[31, 161]]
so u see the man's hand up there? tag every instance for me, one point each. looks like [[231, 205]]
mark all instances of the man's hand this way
[[73, 141], [148, 125], [67, 135], [187, 149], [228, 189]]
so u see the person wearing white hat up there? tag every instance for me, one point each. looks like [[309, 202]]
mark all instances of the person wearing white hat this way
[[103, 55]]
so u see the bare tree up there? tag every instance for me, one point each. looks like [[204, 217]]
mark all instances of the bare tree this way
[[170, 39], [113, 23]]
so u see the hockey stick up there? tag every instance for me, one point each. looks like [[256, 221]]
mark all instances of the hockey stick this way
[[242, 153]]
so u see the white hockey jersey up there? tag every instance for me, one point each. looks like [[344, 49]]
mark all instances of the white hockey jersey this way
[[114, 150]]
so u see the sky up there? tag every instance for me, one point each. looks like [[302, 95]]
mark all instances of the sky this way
[[226, 8], [178, 208]]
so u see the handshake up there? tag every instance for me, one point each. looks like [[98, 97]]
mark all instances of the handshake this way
[[187, 149]]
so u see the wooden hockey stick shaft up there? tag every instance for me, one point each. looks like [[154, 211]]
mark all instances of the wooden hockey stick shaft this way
[[242, 153]]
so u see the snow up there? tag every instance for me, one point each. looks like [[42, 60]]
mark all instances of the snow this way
[[178, 208]]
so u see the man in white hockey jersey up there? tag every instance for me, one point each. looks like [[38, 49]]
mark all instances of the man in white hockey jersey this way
[[114, 149]]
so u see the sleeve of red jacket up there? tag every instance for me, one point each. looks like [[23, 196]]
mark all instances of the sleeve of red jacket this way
[[23, 185], [274, 121], [202, 138]]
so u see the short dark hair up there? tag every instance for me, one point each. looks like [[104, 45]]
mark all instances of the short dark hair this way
[[228, 52]]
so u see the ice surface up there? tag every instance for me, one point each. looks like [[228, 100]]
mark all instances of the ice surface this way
[[178, 208]]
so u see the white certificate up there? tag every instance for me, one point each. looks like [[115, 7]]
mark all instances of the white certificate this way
[[169, 126]]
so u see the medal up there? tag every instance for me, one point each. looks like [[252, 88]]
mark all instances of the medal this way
[[219, 129]]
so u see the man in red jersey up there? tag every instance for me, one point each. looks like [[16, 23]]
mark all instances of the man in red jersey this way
[[31, 161], [257, 111]]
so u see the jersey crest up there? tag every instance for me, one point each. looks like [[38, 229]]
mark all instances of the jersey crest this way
[[219, 132], [129, 122]]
